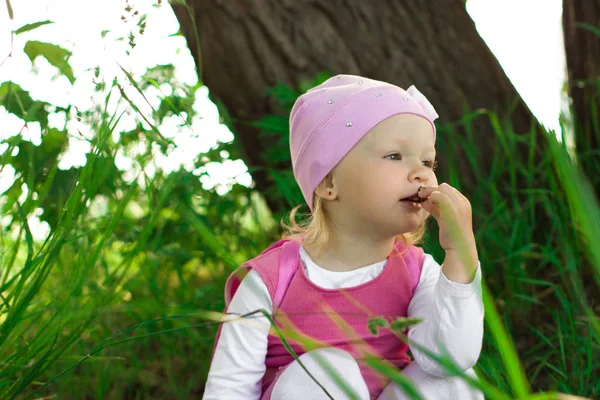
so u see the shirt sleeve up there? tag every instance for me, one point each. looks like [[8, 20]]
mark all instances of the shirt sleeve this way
[[238, 363], [452, 316]]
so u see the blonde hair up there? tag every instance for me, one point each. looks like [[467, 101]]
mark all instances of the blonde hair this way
[[313, 229]]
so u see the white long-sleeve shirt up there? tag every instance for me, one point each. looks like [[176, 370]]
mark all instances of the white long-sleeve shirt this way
[[452, 319]]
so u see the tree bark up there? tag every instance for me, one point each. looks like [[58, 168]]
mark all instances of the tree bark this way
[[248, 46], [582, 47]]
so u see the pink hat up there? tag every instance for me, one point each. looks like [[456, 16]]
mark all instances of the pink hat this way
[[329, 119]]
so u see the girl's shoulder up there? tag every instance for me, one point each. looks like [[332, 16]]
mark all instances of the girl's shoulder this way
[[413, 257], [283, 253]]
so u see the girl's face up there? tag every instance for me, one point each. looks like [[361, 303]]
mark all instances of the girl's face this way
[[388, 164]]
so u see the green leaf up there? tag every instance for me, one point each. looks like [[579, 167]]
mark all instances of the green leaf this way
[[42, 157], [18, 102], [55, 55], [11, 15], [174, 105], [375, 323], [178, 33], [284, 94], [272, 124], [12, 195], [402, 323], [591, 28], [30, 27]]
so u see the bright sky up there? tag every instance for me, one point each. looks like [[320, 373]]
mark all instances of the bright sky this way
[[527, 39], [525, 35]]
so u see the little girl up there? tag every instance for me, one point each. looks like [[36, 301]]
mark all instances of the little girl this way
[[363, 155]]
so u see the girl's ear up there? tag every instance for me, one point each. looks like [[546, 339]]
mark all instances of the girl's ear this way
[[327, 189]]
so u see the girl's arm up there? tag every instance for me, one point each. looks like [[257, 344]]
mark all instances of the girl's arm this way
[[452, 318], [238, 363]]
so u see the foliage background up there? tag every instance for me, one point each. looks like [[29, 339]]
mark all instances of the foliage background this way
[[108, 304]]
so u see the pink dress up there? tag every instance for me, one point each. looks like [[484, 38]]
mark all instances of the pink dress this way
[[308, 309]]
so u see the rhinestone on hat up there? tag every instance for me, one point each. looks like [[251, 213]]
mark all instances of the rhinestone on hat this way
[[361, 82], [323, 89], [331, 101], [378, 94], [349, 123], [405, 98]]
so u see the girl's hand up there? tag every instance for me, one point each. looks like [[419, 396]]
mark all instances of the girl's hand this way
[[452, 211]]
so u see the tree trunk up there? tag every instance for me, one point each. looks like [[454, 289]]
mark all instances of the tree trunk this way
[[248, 46], [582, 48]]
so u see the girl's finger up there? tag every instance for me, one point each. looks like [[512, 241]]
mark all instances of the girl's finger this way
[[431, 208], [447, 210], [453, 193], [425, 191]]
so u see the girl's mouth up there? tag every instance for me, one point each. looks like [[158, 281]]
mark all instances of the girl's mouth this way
[[414, 198], [413, 201], [412, 204]]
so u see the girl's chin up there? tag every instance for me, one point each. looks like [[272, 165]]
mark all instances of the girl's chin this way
[[412, 206], [410, 219]]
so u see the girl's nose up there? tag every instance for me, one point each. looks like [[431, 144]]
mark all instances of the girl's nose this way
[[421, 173]]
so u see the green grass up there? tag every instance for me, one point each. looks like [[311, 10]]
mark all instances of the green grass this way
[[110, 307]]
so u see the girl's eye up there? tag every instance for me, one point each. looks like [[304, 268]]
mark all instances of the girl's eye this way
[[431, 164]]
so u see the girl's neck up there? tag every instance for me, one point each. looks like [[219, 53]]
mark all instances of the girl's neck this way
[[345, 252]]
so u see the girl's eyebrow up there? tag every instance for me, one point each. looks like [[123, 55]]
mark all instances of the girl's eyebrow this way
[[405, 140]]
